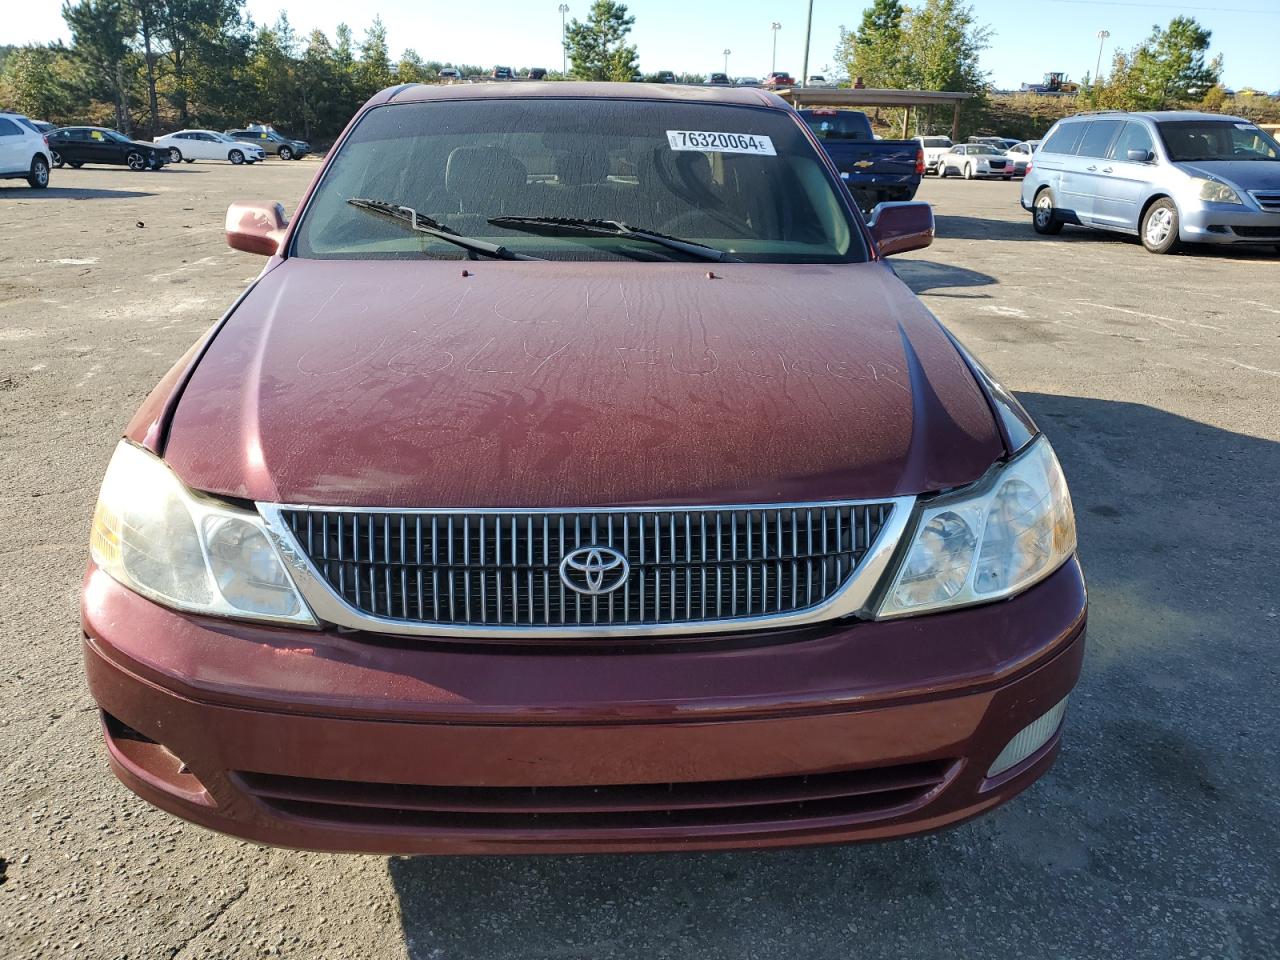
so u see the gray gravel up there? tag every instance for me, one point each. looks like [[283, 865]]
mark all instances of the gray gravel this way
[[1154, 837]]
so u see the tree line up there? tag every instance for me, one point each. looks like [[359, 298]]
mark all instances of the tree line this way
[[147, 66]]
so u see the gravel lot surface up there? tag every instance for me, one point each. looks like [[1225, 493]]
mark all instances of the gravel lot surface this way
[[1157, 835]]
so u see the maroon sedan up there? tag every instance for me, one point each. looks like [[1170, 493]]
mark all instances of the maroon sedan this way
[[577, 476]]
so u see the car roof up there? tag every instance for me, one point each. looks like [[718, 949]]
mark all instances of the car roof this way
[[562, 90], [1157, 115]]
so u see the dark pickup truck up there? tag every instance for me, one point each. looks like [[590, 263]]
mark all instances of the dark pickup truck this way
[[875, 170]]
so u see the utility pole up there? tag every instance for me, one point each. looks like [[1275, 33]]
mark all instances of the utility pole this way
[[1102, 38], [773, 64], [808, 29], [727, 51], [564, 36]]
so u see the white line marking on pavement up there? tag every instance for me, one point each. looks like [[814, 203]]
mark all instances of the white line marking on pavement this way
[[1145, 316]]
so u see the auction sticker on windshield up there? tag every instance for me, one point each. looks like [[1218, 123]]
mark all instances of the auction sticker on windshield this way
[[712, 142]]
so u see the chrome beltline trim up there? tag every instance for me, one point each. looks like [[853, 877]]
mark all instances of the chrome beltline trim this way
[[328, 606]]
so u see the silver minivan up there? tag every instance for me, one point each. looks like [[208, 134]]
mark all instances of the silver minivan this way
[[1168, 177]]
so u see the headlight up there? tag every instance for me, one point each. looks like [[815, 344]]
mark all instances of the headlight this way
[[983, 544], [186, 551], [1215, 191]]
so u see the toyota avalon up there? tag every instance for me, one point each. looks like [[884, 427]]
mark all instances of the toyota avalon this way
[[578, 476]]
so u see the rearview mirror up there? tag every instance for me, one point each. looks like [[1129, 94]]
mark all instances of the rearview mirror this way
[[256, 227], [901, 226], [1140, 156]]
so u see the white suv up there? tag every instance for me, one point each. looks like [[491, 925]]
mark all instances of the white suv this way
[[24, 152]]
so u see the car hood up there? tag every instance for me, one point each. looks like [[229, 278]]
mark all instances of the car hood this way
[[553, 384], [1245, 174]]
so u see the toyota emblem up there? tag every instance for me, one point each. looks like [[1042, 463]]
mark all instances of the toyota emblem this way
[[594, 570]]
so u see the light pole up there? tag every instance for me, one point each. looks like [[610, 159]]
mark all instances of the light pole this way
[[564, 46], [1102, 38], [727, 51], [808, 29], [773, 64]]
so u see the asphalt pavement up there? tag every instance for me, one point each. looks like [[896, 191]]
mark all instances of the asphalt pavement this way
[[1157, 834]]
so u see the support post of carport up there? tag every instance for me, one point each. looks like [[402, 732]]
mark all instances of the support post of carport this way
[[906, 122], [955, 124]]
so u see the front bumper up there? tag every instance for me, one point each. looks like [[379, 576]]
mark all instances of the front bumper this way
[[1227, 223], [385, 745]]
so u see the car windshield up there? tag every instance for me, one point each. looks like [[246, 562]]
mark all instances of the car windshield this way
[[743, 180], [1190, 140], [117, 137], [986, 151]]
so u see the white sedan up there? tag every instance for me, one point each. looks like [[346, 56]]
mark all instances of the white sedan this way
[[971, 160], [193, 145]]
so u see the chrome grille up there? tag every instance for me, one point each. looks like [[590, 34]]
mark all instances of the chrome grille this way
[[501, 569], [1267, 200]]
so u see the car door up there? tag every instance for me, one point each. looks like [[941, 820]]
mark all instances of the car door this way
[[69, 144], [1091, 158], [199, 147], [100, 148], [1123, 183], [11, 147], [1055, 165]]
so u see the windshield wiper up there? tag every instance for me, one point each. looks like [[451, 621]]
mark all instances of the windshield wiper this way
[[584, 227], [414, 220]]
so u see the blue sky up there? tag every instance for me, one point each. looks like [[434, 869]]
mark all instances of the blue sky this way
[[1031, 36]]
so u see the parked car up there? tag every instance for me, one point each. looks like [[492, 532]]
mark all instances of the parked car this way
[[1020, 153], [502, 73], [875, 170], [272, 141], [778, 79], [43, 127], [933, 149], [976, 161], [818, 80], [371, 573], [193, 145], [1168, 177], [24, 152], [450, 74], [76, 146], [719, 80], [666, 76], [748, 81], [538, 73], [1000, 143]]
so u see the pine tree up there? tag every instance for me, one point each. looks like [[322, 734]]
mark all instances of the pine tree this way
[[597, 48]]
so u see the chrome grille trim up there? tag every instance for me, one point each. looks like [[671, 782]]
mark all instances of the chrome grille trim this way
[[770, 548], [1268, 200]]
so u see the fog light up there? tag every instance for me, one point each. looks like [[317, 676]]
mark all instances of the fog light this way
[[1029, 739]]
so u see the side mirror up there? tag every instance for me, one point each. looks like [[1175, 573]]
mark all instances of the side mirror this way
[[1140, 156], [256, 227], [898, 227]]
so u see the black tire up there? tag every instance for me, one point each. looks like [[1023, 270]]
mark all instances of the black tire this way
[[77, 164], [286, 153], [236, 157], [135, 161], [190, 161], [175, 155], [968, 171], [1043, 219], [1159, 229], [38, 178], [57, 158], [1006, 179]]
